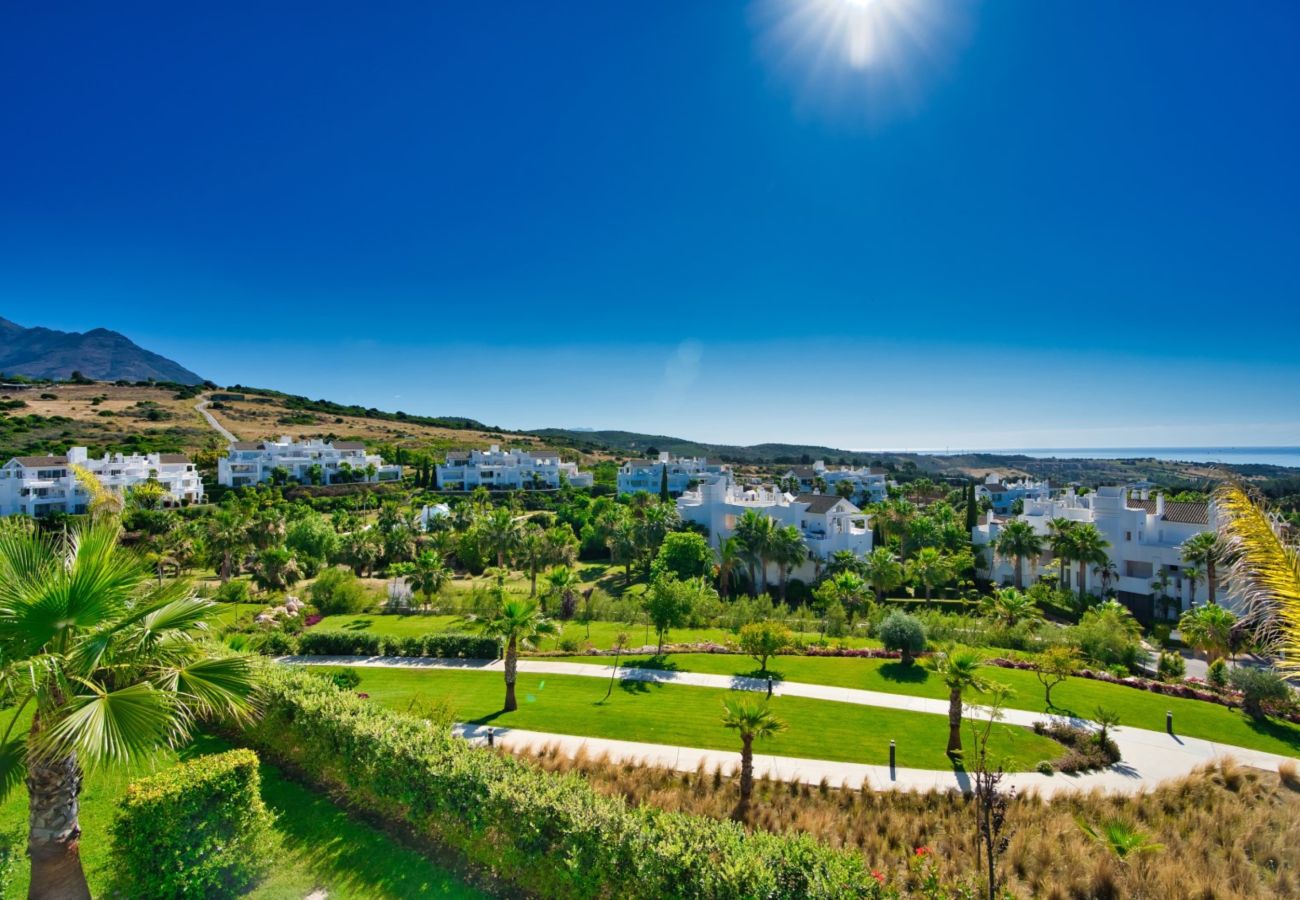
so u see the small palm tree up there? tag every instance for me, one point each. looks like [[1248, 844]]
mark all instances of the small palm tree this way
[[929, 569], [109, 663], [1121, 838], [788, 551], [501, 534], [1018, 542], [518, 623], [958, 668], [1204, 551], [1107, 719], [753, 720], [429, 575], [883, 571], [562, 585], [1209, 629], [731, 555]]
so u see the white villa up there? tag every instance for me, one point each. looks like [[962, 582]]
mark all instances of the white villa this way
[[1146, 537], [869, 482], [40, 485], [1004, 495], [683, 472], [829, 523], [495, 468], [434, 513], [252, 462]]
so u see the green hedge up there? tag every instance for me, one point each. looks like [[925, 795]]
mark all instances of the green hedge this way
[[446, 645], [199, 829], [546, 835]]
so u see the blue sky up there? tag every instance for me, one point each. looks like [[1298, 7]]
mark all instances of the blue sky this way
[[867, 223]]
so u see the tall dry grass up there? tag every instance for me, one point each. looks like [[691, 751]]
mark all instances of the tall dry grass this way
[[1228, 831]]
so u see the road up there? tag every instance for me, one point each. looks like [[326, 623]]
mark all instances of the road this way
[[202, 409]]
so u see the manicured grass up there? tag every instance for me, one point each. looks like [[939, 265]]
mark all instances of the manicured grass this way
[[227, 614], [688, 716], [323, 846], [1079, 696]]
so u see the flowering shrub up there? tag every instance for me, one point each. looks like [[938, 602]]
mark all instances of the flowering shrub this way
[[445, 645], [543, 834]]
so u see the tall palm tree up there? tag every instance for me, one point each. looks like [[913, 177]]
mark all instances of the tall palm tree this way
[[788, 551], [501, 534], [958, 668], [1193, 576], [1060, 539], [1204, 550], [929, 569], [429, 575], [731, 554], [753, 720], [518, 623], [1018, 541], [1088, 548], [532, 554], [562, 584], [754, 530], [1108, 572], [884, 572], [1265, 571], [227, 539], [107, 661]]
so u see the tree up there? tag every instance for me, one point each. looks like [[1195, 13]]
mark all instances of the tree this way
[[1204, 551], [108, 661], [501, 533], [1010, 607], [731, 554], [788, 550], [1259, 688], [518, 623], [276, 570], [1053, 666], [753, 720], [754, 531], [683, 554], [1088, 548], [1193, 577], [533, 553], [1018, 541], [361, 550], [1209, 629], [763, 640], [670, 600], [226, 539], [846, 589], [562, 585], [884, 572], [1107, 719], [619, 643], [929, 569], [1061, 541], [429, 575], [845, 490], [1265, 570], [990, 803], [664, 496], [903, 633], [958, 668]]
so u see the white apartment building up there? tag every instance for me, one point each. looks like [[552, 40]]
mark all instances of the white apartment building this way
[[683, 472], [1146, 537], [828, 523], [1003, 495], [498, 469], [870, 483], [40, 485], [252, 462]]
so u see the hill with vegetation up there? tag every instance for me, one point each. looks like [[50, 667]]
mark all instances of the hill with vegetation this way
[[99, 354]]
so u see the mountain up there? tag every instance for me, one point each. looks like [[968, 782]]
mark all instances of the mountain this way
[[99, 354]]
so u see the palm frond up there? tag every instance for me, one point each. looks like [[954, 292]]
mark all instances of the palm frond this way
[[115, 726], [13, 764], [215, 685]]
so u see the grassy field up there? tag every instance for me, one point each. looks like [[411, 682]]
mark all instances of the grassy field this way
[[1080, 696], [323, 846], [687, 716]]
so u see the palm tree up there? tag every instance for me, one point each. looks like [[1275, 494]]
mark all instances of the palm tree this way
[[518, 623], [788, 551], [501, 534], [227, 539], [108, 662], [958, 668], [1018, 541], [532, 554], [1088, 548], [731, 553], [1208, 628], [1120, 838], [1204, 550], [1265, 571], [753, 720], [1160, 585], [562, 585], [930, 569], [1108, 572], [1011, 607], [1193, 576], [883, 571], [754, 531], [429, 575], [847, 588], [1061, 540]]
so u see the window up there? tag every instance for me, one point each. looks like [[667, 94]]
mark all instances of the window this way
[[1128, 535]]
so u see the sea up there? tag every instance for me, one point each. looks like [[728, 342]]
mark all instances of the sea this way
[[1266, 456]]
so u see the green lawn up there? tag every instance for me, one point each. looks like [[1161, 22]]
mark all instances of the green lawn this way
[[1081, 696], [323, 846], [688, 716]]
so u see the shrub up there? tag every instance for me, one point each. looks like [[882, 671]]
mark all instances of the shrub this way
[[337, 591], [277, 643], [1085, 750], [1045, 768], [683, 555], [542, 834], [1262, 690], [443, 644], [1170, 666], [1217, 674], [199, 829], [904, 633], [234, 591], [762, 640]]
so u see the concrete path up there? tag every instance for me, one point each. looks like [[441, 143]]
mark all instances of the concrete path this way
[[202, 409], [1148, 757]]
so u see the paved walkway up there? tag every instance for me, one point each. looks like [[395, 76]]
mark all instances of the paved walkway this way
[[1148, 757], [202, 408]]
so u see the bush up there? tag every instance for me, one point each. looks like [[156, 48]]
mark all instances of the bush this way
[[683, 555], [1170, 666], [1045, 768], [1085, 751], [542, 834], [235, 591], [903, 633], [447, 645], [338, 591], [1217, 675], [277, 643], [199, 829], [1262, 691]]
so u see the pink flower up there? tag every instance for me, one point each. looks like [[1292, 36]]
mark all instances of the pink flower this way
[[878, 875], [922, 851]]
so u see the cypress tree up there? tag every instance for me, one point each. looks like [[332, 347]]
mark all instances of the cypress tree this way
[[970, 506], [663, 484]]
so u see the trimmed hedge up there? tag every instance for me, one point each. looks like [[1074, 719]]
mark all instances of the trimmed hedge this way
[[446, 645], [199, 829], [546, 835]]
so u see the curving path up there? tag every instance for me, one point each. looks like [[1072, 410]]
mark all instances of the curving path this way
[[1149, 757], [202, 409]]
